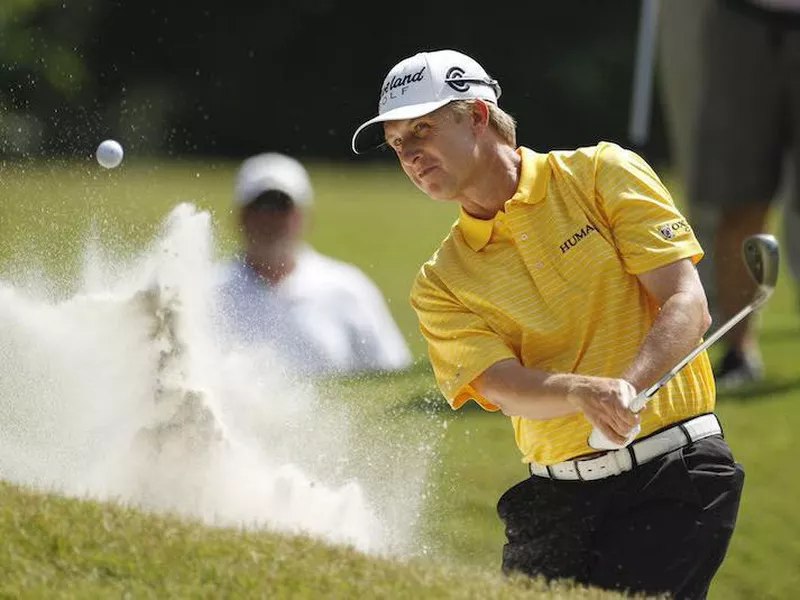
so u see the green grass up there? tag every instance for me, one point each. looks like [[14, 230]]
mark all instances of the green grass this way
[[377, 220], [59, 548]]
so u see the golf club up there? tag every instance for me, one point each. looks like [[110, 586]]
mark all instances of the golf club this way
[[761, 256]]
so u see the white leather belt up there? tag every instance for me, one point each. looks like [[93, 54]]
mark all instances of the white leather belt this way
[[639, 452]]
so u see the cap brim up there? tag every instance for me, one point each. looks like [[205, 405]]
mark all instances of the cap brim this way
[[247, 196], [361, 138]]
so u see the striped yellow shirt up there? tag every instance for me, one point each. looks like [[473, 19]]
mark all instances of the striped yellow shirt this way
[[551, 281]]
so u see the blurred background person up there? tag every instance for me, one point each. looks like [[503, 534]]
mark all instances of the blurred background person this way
[[730, 74], [323, 316]]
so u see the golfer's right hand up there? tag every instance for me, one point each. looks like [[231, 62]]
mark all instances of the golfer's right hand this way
[[605, 403]]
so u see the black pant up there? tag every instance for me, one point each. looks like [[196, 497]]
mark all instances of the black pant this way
[[663, 527]]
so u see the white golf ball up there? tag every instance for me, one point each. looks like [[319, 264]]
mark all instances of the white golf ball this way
[[109, 154]]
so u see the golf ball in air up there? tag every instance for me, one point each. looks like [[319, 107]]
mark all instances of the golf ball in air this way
[[109, 154]]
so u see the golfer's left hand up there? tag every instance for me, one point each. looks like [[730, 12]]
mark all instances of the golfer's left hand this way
[[605, 403]]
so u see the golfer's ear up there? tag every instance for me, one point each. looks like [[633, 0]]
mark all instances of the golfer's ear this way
[[480, 114]]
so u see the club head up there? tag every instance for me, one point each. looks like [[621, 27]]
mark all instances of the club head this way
[[761, 256]]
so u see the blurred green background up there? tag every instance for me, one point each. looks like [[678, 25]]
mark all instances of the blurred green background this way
[[229, 79]]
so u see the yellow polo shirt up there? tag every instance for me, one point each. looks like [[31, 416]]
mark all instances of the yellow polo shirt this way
[[551, 281]]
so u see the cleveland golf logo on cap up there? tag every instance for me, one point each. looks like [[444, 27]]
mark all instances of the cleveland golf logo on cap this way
[[452, 77], [397, 86]]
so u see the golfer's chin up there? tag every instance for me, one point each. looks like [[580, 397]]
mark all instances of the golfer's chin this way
[[435, 192]]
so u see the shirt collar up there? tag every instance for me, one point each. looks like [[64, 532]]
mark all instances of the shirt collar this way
[[532, 188]]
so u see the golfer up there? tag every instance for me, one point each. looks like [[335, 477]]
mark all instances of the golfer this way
[[567, 284]]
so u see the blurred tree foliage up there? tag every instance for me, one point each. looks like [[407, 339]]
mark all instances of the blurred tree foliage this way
[[230, 78], [44, 81]]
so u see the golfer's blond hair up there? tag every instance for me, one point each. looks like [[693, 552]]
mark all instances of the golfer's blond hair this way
[[503, 123]]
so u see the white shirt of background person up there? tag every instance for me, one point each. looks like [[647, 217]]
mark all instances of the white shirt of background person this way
[[323, 315]]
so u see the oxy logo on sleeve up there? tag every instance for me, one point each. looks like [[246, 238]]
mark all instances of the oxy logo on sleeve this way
[[674, 229]]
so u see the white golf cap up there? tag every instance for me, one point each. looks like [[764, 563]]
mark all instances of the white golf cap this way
[[424, 82], [272, 172]]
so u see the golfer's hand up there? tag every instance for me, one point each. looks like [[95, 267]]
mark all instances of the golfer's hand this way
[[605, 403]]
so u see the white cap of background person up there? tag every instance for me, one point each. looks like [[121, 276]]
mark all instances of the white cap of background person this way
[[423, 83], [272, 171]]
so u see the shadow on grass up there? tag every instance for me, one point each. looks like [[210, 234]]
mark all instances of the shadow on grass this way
[[432, 402], [428, 402], [760, 390]]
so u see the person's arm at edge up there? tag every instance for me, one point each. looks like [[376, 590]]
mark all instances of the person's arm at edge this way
[[389, 345]]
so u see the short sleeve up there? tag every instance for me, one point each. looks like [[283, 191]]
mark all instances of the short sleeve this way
[[649, 231], [461, 345]]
